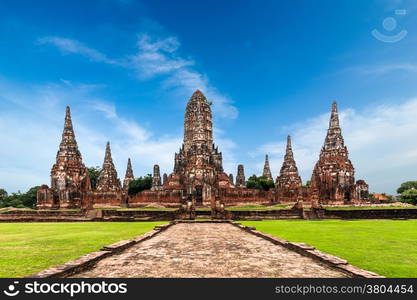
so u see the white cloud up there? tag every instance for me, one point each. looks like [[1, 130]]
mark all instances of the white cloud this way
[[31, 125], [157, 57], [160, 57], [381, 141], [75, 47]]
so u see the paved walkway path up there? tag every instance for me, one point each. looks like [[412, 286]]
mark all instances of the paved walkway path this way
[[208, 250]]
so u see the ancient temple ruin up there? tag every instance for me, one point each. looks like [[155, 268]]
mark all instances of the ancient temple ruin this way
[[288, 183], [198, 176], [198, 166], [240, 177], [267, 169], [128, 176], [156, 178], [108, 180], [69, 176], [333, 176]]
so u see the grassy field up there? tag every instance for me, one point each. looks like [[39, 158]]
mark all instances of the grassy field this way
[[259, 207], [386, 247], [26, 248], [368, 207], [143, 208]]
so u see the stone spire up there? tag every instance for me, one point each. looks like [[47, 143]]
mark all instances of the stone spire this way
[[198, 163], [240, 177], [231, 178], [156, 178], [108, 180], [69, 170], [334, 139], [288, 182], [267, 170], [70, 180], [128, 176], [68, 147], [164, 178], [198, 122], [333, 174]]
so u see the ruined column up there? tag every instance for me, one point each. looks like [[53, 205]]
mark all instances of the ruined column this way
[[267, 170], [240, 177], [156, 178], [108, 180], [333, 175], [288, 182], [128, 176], [70, 180]]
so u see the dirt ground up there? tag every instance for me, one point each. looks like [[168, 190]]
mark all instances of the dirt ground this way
[[208, 250]]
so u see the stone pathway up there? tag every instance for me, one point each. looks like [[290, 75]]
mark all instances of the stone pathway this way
[[208, 250]]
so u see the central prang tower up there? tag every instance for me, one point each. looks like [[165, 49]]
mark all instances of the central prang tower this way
[[198, 164]]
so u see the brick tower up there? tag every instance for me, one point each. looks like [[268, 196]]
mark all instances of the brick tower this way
[[198, 165], [156, 178], [128, 176], [240, 177], [288, 182], [267, 170], [333, 175], [69, 176], [108, 180]]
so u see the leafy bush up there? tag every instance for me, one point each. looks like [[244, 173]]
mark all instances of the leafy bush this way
[[406, 186], [259, 183], [409, 196], [140, 184], [94, 173], [20, 200]]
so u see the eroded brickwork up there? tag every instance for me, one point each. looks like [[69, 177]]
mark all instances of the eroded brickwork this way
[[156, 178], [267, 170], [108, 180], [198, 174], [128, 176], [198, 167], [240, 177], [69, 176], [333, 175], [288, 182]]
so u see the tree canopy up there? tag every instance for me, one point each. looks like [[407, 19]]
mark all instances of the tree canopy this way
[[3, 194], [19, 200], [409, 196], [260, 183], [406, 186], [408, 192], [140, 184], [94, 173]]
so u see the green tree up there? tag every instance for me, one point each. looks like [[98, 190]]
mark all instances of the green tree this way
[[94, 173], [20, 200], [28, 199], [260, 183], [406, 186], [409, 196], [3, 196], [140, 184]]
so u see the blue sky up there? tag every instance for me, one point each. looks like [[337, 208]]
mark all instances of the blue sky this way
[[271, 68]]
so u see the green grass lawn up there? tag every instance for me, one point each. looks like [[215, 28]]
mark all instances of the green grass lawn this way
[[144, 208], [367, 207], [386, 247], [259, 207], [26, 248]]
